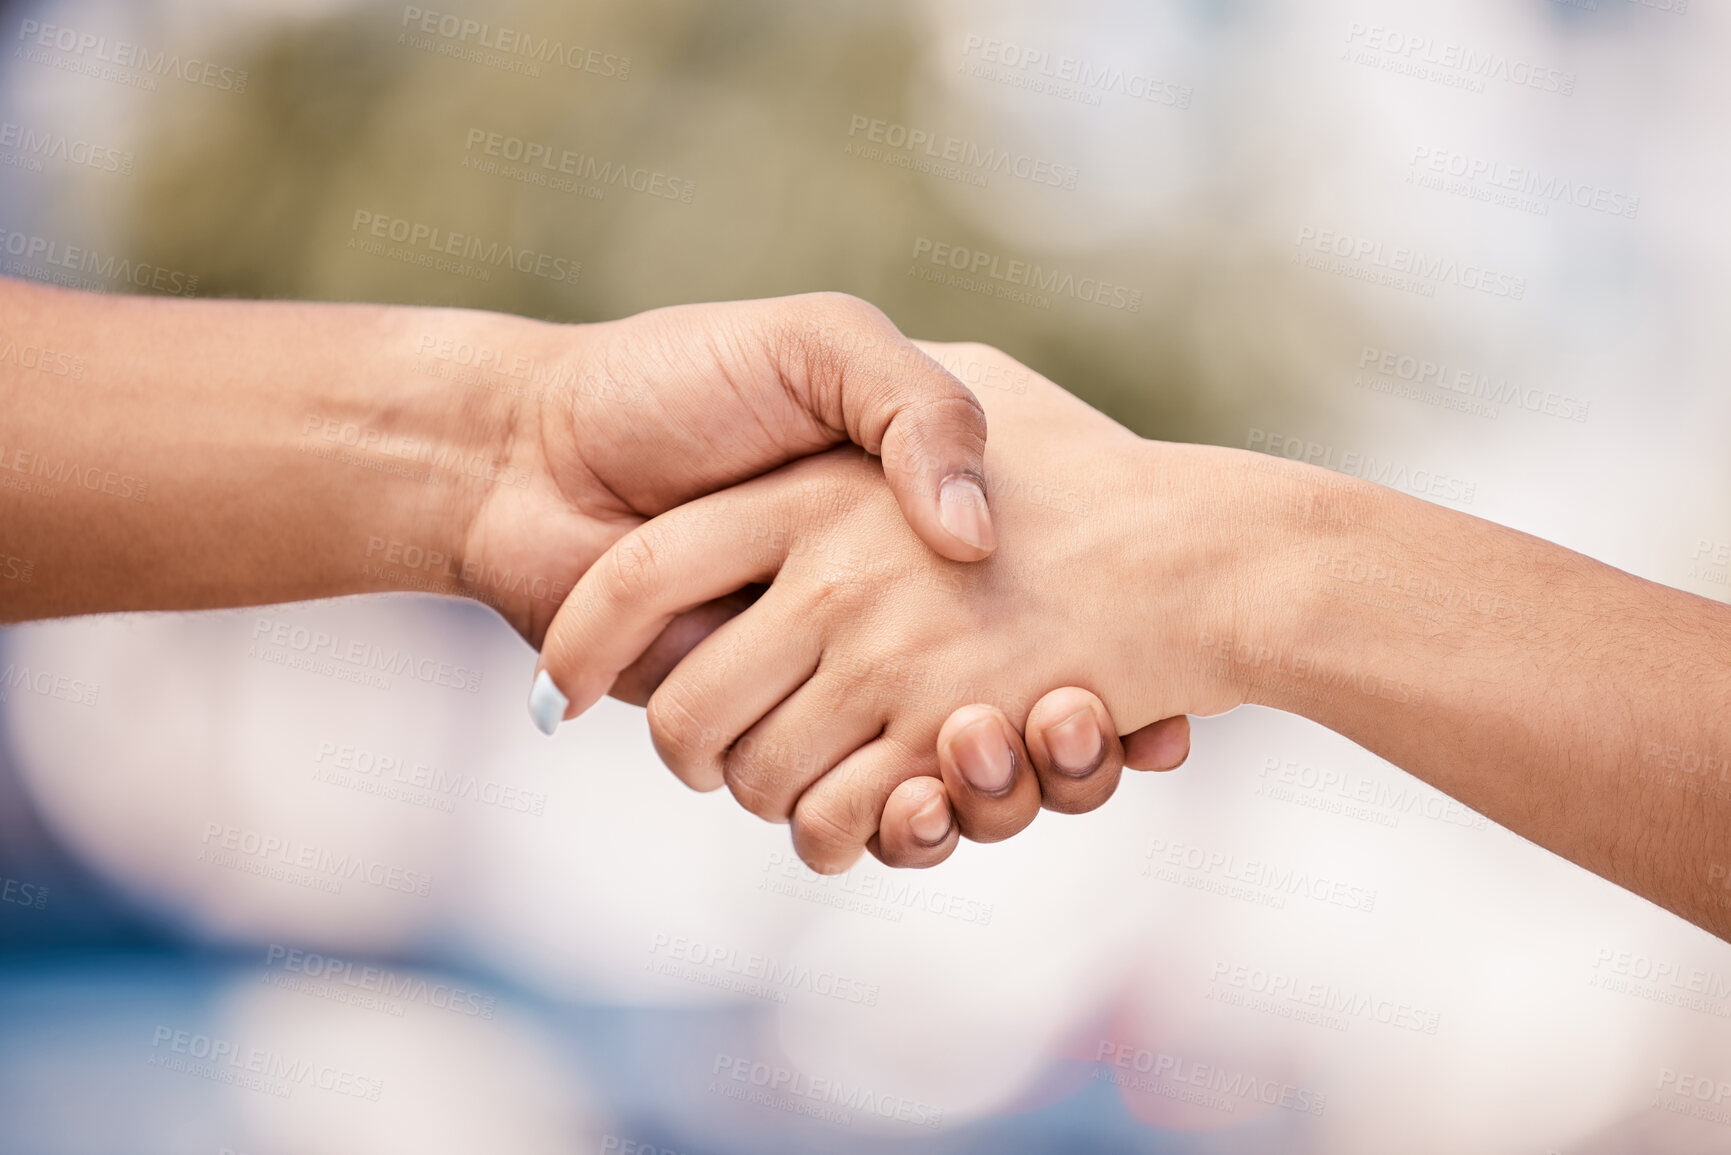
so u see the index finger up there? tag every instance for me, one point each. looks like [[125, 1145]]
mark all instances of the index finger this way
[[688, 556]]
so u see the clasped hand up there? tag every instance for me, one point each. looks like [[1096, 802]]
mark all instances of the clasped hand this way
[[865, 689]]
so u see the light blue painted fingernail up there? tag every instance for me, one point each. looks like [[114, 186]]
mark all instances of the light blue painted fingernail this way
[[546, 704]]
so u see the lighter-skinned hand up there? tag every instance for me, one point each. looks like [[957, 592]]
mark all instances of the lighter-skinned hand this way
[[848, 677]]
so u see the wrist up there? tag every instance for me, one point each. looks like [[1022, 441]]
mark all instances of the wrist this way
[[1299, 584], [1210, 531], [430, 439], [530, 516]]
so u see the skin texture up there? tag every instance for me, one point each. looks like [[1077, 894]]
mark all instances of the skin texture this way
[[171, 454], [836, 687], [198, 454], [194, 454], [1580, 706]]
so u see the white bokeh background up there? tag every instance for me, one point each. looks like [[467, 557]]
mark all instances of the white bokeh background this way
[[564, 914]]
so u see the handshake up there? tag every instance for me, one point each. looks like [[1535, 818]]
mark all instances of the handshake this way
[[921, 637], [882, 678]]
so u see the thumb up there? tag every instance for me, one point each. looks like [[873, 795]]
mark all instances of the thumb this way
[[862, 377]]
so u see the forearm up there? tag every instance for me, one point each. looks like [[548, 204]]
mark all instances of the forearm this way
[[160, 454], [1582, 707]]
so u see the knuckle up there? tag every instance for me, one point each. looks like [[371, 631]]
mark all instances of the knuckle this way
[[930, 434], [634, 565], [766, 772], [757, 790], [821, 835], [760, 756], [829, 323], [846, 307], [685, 743], [836, 596]]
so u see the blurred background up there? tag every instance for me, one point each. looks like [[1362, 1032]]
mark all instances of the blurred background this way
[[251, 908]]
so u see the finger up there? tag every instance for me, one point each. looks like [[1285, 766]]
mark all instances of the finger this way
[[917, 828], [802, 739], [638, 681], [725, 686], [692, 554], [1162, 745], [985, 770], [863, 377], [1074, 747], [838, 815]]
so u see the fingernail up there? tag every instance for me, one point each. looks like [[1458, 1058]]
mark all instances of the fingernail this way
[[931, 822], [1075, 744], [546, 703], [984, 757], [962, 510]]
